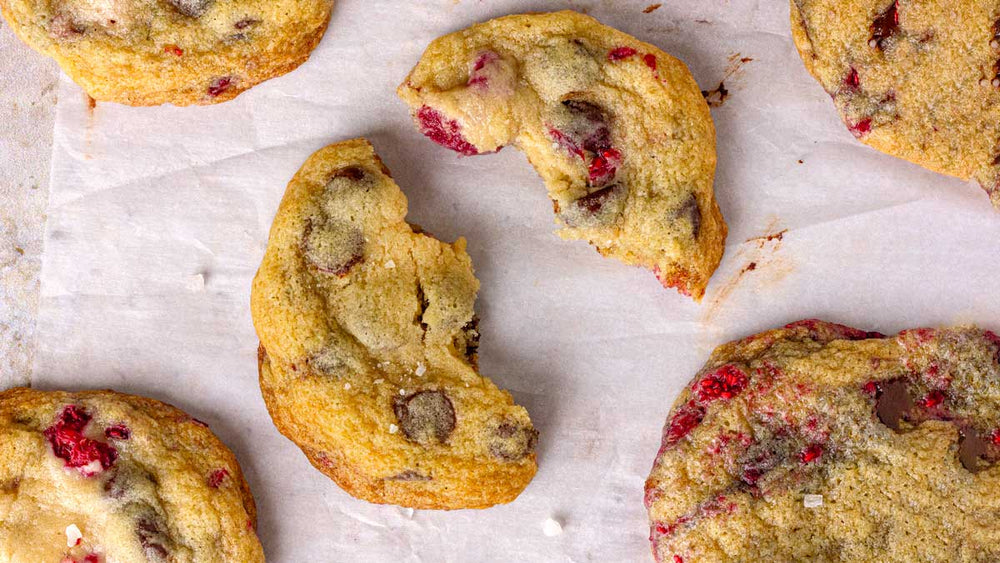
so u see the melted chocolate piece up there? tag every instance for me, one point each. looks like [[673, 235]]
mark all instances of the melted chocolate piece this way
[[426, 417]]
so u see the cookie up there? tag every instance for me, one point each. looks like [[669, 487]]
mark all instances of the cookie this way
[[150, 52], [916, 80], [102, 477], [618, 130], [820, 442], [368, 346]]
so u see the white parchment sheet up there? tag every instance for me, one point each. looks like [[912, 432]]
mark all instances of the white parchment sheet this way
[[158, 219]]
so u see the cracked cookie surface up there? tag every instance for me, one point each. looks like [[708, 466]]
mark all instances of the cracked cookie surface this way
[[150, 52], [618, 130], [916, 80], [368, 346], [103, 477], [819, 442]]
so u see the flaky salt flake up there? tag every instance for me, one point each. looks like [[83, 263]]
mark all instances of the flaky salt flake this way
[[812, 501], [402, 391], [421, 370], [393, 429], [73, 536], [551, 527], [390, 265], [347, 386]]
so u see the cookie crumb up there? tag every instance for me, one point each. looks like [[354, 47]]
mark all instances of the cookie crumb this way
[[73, 536], [408, 512], [378, 381], [551, 527], [421, 370], [812, 501], [393, 429], [651, 8], [390, 265]]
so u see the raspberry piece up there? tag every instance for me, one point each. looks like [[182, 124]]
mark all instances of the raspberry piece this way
[[723, 383], [650, 61], [811, 453], [476, 77], [686, 419], [852, 81], [885, 26], [678, 559], [931, 400], [861, 128], [118, 432], [604, 166], [219, 86], [445, 132], [620, 53], [173, 49], [77, 451], [216, 478]]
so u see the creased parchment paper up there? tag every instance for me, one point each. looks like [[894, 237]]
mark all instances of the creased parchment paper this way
[[158, 219]]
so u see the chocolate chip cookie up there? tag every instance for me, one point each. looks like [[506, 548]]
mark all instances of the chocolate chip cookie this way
[[917, 80], [368, 346], [101, 477], [618, 130], [150, 52], [820, 442]]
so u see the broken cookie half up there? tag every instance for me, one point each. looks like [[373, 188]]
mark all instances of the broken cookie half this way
[[368, 346], [617, 128]]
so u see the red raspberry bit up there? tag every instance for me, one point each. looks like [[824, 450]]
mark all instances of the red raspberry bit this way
[[853, 80], [481, 61], [650, 60], [811, 453], [723, 383], [678, 559], [995, 437], [565, 142], [118, 432], [677, 280], [884, 26], [872, 388], [861, 128], [217, 477], [620, 53], [603, 167], [91, 558], [219, 86], [932, 399], [445, 132], [174, 50], [686, 419], [77, 451]]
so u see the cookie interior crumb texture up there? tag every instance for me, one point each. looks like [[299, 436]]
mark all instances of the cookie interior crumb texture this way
[[99, 476], [917, 80], [618, 130], [372, 370], [150, 52], [820, 442]]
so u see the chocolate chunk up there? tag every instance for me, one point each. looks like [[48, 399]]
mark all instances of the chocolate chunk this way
[[426, 417], [885, 26], [511, 440], [690, 211], [333, 247], [152, 538], [190, 8], [596, 209], [409, 475], [893, 403]]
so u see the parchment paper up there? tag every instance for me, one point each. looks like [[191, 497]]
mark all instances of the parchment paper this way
[[158, 219]]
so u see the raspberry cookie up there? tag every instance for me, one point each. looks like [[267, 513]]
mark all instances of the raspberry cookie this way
[[917, 80], [819, 442], [368, 346], [617, 128], [149, 52], [102, 477]]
